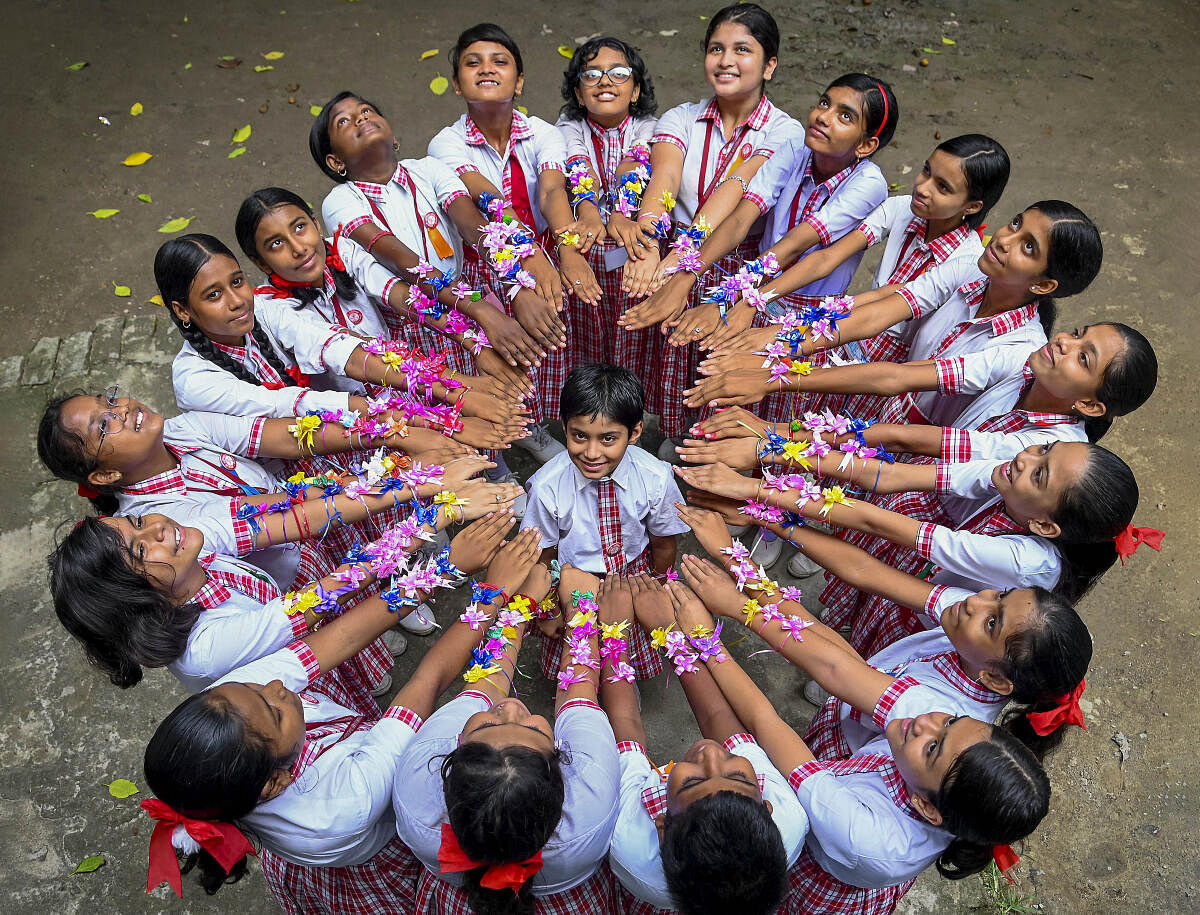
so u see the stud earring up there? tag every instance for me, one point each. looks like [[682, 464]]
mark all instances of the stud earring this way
[[187, 323], [395, 146]]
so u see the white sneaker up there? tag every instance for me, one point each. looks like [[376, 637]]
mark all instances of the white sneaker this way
[[383, 687], [395, 641], [766, 552], [814, 693], [540, 443], [419, 621], [666, 451], [800, 566]]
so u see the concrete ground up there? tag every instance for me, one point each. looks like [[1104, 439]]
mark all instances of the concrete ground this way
[[1094, 101]]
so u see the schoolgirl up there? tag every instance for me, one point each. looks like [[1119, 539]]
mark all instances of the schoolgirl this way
[[505, 812], [935, 787], [1075, 498], [525, 157], [682, 839], [247, 358], [304, 775], [696, 146], [607, 122]]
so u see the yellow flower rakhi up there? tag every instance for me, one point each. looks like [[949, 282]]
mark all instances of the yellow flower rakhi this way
[[700, 632], [581, 617], [450, 499], [834, 495], [751, 609], [658, 637], [294, 603], [794, 453], [522, 605], [304, 429], [614, 630], [667, 199], [800, 368], [702, 225], [569, 239]]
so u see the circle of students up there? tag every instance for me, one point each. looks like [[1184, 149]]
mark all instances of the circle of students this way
[[338, 419]]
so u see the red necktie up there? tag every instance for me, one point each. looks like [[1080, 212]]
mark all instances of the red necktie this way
[[610, 526]]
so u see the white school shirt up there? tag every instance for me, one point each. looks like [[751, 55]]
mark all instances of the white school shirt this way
[[214, 451], [603, 149], [297, 338], [635, 854], [893, 223], [564, 506], [786, 190], [361, 313], [407, 215], [338, 811], [930, 659], [538, 146], [238, 631], [979, 561], [862, 828], [695, 129], [590, 777]]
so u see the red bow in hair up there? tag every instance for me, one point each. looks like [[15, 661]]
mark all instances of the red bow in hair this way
[[1066, 712], [452, 860], [333, 260], [1006, 859], [223, 841], [88, 492], [1132, 537]]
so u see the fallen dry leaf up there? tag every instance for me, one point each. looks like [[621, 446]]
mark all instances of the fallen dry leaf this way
[[135, 109], [432, 52], [103, 214], [228, 63], [263, 68], [137, 158]]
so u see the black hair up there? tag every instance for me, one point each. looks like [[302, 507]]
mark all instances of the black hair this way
[[104, 601], [986, 167], [994, 793], [1097, 507], [175, 267], [881, 111], [207, 764], [704, 850], [757, 21], [1073, 256], [1046, 661], [251, 213], [608, 390], [485, 31], [503, 805], [65, 454], [643, 106], [319, 145], [1128, 381]]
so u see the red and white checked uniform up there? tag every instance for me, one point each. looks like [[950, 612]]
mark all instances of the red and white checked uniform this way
[[598, 895]]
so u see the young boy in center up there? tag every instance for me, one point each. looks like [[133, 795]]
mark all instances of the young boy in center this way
[[605, 505]]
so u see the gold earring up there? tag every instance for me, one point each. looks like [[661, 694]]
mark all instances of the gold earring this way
[[395, 146], [342, 171]]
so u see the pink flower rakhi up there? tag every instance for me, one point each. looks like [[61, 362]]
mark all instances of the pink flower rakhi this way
[[473, 617], [792, 626], [622, 671], [568, 677]]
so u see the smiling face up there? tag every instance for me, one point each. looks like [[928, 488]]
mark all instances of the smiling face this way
[[220, 302], [926, 746], [1033, 483], [940, 191], [487, 72], [164, 552], [1018, 254], [1072, 366], [289, 243], [509, 723], [118, 445], [836, 127], [705, 769], [596, 444], [355, 129], [979, 626], [734, 62], [607, 101]]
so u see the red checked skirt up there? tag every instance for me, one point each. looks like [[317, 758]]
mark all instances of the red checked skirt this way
[[595, 896], [813, 890], [595, 334], [383, 885]]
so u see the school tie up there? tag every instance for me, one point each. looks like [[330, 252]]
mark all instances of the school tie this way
[[610, 526]]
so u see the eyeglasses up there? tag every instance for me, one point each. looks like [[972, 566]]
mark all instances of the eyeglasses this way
[[618, 75], [110, 423]]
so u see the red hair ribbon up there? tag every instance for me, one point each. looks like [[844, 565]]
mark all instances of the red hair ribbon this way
[[294, 373], [513, 875], [88, 492], [223, 841], [333, 260], [1132, 537], [1066, 712], [979, 230], [1006, 859], [882, 123]]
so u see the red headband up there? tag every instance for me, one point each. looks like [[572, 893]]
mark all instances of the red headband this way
[[223, 841], [1006, 859], [1066, 712], [513, 875], [1132, 537], [882, 123]]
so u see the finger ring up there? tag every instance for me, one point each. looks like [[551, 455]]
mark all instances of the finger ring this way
[[696, 330], [499, 498], [591, 235], [579, 282]]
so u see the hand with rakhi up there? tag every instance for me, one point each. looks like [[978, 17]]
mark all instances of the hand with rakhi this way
[[730, 389], [507, 337], [588, 225], [431, 447], [476, 544], [536, 584], [720, 594], [514, 561], [572, 580], [689, 611], [628, 235], [486, 406], [708, 526], [732, 422], [643, 275], [747, 341], [578, 277], [458, 472], [664, 305], [738, 453], [488, 386], [651, 604], [615, 600], [484, 433], [729, 510], [514, 380], [719, 479], [694, 324], [482, 497], [737, 321], [540, 318], [549, 285]]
